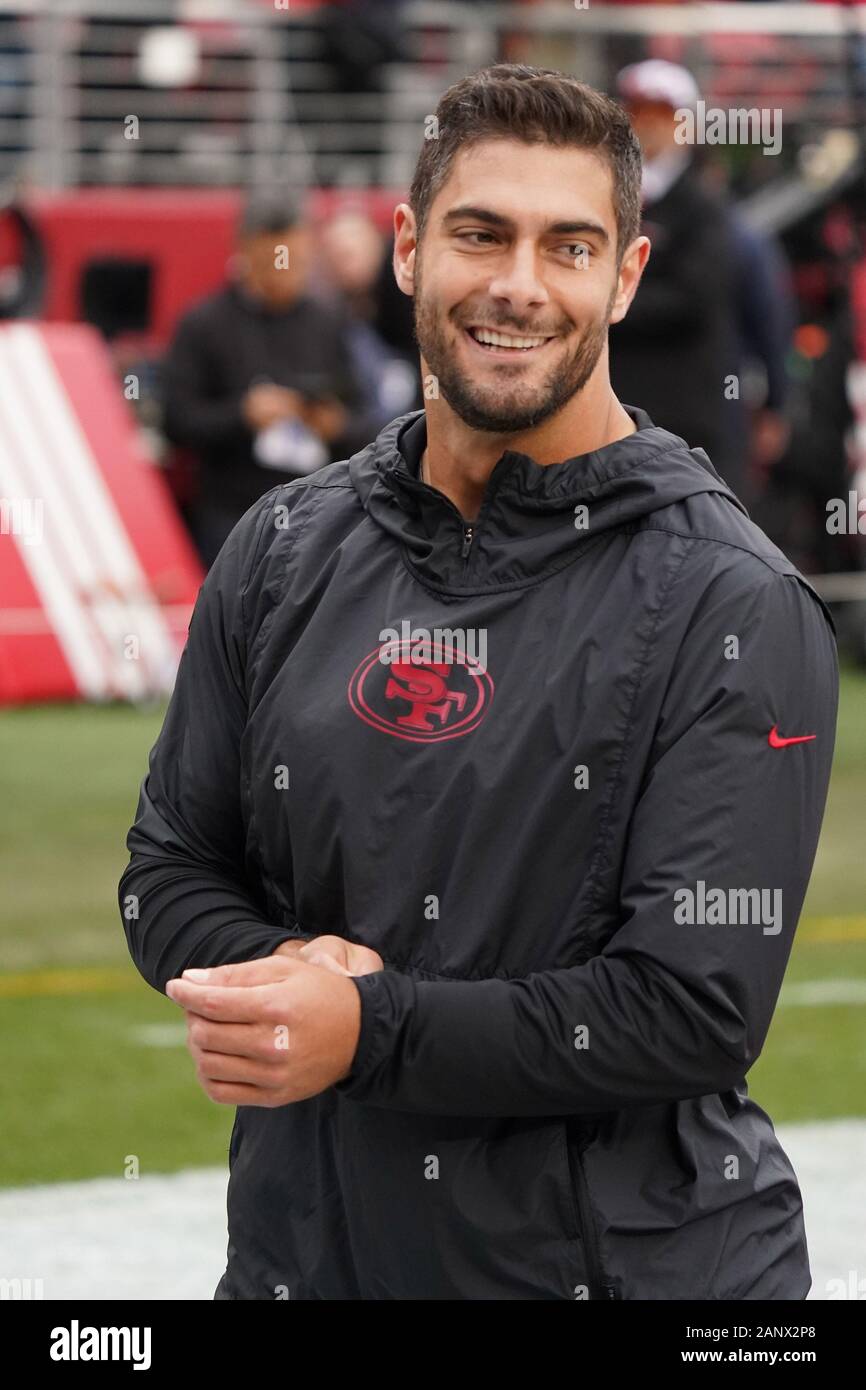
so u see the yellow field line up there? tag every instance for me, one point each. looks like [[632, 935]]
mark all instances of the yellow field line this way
[[851, 927], [76, 980], [113, 979]]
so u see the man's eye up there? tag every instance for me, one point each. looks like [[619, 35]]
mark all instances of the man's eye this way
[[578, 249], [464, 236]]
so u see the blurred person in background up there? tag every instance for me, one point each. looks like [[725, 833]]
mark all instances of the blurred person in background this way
[[766, 318], [817, 462], [393, 313], [360, 38], [695, 324], [258, 379], [360, 41], [351, 251]]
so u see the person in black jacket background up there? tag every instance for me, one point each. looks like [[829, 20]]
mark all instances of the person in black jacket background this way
[[678, 343], [258, 379], [716, 299]]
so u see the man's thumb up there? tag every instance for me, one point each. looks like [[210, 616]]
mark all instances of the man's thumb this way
[[243, 972]]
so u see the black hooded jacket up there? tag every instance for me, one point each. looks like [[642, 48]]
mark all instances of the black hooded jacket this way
[[581, 850]]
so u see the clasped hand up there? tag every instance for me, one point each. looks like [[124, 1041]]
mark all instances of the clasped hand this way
[[276, 1030]]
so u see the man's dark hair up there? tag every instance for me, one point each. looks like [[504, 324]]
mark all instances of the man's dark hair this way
[[538, 106], [269, 211]]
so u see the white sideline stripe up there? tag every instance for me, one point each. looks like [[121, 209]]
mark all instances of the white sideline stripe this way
[[105, 527], [163, 1236], [42, 559], [159, 1035], [817, 993]]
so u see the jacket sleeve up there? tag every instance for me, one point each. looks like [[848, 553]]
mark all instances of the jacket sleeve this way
[[668, 1009], [184, 897]]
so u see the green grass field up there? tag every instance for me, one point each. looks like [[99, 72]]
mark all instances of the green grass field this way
[[95, 1068]]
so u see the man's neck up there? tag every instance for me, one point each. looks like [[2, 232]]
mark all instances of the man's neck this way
[[458, 460]]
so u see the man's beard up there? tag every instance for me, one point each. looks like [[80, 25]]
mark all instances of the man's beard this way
[[497, 407]]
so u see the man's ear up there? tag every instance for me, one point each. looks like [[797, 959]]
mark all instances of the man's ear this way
[[405, 246], [630, 272]]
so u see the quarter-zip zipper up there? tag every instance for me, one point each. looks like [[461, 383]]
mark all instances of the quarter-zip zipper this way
[[468, 528], [588, 1231]]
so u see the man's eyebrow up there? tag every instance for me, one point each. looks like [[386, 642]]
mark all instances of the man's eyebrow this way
[[495, 219], [567, 228]]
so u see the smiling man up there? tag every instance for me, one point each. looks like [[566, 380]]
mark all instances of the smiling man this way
[[424, 913]]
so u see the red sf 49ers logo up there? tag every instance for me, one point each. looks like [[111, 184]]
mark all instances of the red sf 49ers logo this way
[[422, 701]]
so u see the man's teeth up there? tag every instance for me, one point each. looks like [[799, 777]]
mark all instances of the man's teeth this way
[[506, 340]]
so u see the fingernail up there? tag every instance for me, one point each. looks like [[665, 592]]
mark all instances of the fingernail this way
[[196, 975]]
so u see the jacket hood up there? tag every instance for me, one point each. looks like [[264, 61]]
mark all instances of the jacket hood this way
[[528, 524]]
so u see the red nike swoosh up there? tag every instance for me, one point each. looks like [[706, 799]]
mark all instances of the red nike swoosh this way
[[776, 740]]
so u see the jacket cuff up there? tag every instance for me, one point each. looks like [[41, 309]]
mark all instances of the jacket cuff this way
[[386, 998]]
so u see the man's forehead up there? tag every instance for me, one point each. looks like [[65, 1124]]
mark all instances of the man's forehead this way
[[568, 184]]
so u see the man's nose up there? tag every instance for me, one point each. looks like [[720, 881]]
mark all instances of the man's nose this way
[[518, 279]]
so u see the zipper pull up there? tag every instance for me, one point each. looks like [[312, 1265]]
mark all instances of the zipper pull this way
[[468, 533]]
